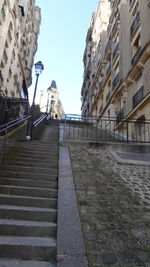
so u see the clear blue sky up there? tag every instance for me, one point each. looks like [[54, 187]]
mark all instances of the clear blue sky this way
[[61, 45]]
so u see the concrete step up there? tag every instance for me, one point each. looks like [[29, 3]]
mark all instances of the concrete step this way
[[27, 228], [30, 163], [27, 191], [28, 175], [47, 160], [38, 154], [28, 213], [26, 201], [29, 169], [34, 248], [26, 263], [28, 183], [46, 148]]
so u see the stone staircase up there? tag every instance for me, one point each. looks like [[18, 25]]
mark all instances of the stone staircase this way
[[28, 202]]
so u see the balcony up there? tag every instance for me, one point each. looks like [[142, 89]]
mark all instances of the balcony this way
[[116, 50], [114, 28], [137, 98], [108, 48], [120, 115], [132, 5], [108, 69], [101, 108], [107, 96], [115, 81], [135, 25], [100, 84], [136, 56]]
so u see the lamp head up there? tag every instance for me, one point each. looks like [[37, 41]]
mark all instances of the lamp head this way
[[38, 67]]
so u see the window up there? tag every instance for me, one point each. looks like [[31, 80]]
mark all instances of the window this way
[[136, 49]]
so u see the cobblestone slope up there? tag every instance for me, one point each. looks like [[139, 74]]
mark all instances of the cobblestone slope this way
[[114, 206]]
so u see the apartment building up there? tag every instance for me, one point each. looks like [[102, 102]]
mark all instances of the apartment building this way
[[50, 102], [19, 29], [118, 85]]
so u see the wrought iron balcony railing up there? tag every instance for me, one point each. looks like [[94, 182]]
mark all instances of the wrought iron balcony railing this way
[[135, 24], [116, 81], [136, 56], [116, 22], [116, 50], [108, 69], [101, 108], [120, 115], [131, 2], [137, 98], [107, 96], [108, 46]]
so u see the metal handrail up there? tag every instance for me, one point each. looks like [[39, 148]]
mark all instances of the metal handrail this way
[[5, 128], [106, 128], [39, 120]]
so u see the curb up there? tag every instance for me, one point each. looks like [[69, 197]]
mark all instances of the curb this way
[[70, 245]]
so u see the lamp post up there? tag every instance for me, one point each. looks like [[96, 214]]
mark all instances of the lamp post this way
[[38, 69], [48, 94]]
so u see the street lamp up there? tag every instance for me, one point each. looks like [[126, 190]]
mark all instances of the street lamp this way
[[48, 93], [38, 69]]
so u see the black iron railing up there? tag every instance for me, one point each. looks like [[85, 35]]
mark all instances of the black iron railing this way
[[106, 128], [107, 96], [116, 50], [108, 46], [108, 69], [12, 108], [116, 23], [135, 24], [136, 56], [138, 97], [101, 108], [115, 81], [120, 115], [11, 132]]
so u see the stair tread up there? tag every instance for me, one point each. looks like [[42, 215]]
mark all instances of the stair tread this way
[[28, 197], [26, 223], [28, 173], [13, 207], [25, 263], [24, 180], [31, 188], [26, 167], [28, 241]]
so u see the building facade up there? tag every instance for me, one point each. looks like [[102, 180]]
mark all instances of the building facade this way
[[117, 61], [50, 102], [19, 29]]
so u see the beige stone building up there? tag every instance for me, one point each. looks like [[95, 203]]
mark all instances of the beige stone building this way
[[19, 29], [117, 70], [50, 102]]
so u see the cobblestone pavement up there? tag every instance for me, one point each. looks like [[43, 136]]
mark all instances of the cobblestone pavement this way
[[114, 206]]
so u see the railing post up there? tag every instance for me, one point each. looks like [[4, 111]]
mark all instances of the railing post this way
[[3, 147], [96, 130], [64, 134], [127, 131]]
